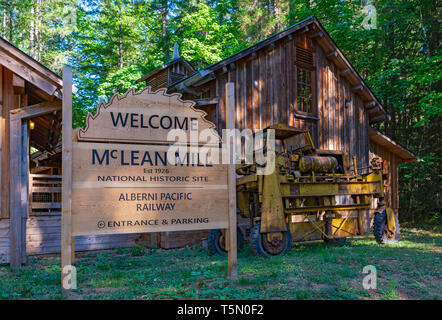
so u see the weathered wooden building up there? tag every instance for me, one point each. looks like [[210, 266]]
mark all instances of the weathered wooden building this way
[[298, 77], [30, 169]]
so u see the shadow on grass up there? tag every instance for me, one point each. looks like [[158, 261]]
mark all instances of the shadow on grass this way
[[408, 269]]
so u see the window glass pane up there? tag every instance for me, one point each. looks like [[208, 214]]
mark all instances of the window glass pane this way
[[304, 86]]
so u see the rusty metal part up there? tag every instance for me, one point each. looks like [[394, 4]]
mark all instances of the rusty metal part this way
[[391, 222], [307, 189], [272, 213], [376, 163], [318, 164]]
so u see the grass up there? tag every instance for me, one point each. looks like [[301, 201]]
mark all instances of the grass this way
[[409, 269]]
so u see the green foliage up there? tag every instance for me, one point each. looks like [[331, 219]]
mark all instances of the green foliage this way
[[112, 43], [203, 40], [137, 250], [119, 81]]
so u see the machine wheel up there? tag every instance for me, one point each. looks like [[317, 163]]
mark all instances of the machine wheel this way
[[261, 247], [217, 243], [380, 229]]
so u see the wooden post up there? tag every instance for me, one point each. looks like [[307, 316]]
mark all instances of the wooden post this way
[[15, 205], [66, 214], [231, 237], [24, 173]]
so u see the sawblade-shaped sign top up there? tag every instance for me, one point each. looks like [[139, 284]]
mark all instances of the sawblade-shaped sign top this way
[[147, 117]]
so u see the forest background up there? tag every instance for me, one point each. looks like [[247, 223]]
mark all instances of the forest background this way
[[394, 44]]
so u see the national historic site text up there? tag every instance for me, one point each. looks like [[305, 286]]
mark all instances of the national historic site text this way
[[133, 188]]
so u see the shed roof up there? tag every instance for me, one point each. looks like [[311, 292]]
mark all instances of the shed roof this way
[[165, 66], [403, 154], [30, 69], [325, 41]]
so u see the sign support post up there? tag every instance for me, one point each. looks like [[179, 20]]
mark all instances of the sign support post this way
[[231, 180], [67, 252]]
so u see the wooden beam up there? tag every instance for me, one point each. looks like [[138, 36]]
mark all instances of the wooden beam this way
[[345, 72], [205, 79], [205, 102], [305, 117], [36, 110], [370, 105], [319, 34], [374, 110], [357, 88], [183, 87], [17, 67], [332, 54], [231, 237], [66, 215], [46, 205], [33, 64], [2, 134], [15, 205], [18, 84], [24, 176], [382, 117], [8, 104]]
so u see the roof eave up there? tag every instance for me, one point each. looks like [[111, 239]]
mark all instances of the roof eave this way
[[339, 54], [35, 72], [164, 66], [403, 154], [377, 113]]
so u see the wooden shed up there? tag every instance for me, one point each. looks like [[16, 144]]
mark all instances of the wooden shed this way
[[30, 161], [298, 77]]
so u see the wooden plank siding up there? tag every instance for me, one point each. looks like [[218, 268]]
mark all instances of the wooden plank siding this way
[[265, 93], [391, 164], [8, 103], [43, 236], [4, 240], [265, 77]]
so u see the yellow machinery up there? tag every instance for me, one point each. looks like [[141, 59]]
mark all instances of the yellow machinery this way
[[311, 195]]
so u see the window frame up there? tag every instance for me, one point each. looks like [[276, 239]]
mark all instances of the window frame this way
[[314, 108]]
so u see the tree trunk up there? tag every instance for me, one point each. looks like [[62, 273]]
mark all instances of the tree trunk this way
[[38, 29], [165, 25], [4, 22], [11, 28], [277, 15], [32, 31], [120, 46]]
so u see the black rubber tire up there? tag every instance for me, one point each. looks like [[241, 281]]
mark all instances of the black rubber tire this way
[[256, 242], [214, 243], [379, 228]]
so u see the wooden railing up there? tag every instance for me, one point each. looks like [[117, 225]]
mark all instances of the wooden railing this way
[[45, 194]]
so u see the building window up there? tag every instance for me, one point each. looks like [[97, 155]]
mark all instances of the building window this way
[[304, 90]]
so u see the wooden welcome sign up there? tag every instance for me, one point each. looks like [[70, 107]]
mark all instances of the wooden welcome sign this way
[[117, 177], [129, 186]]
